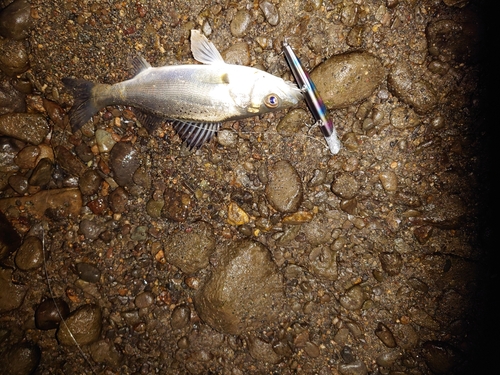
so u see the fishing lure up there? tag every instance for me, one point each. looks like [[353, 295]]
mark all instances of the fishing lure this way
[[313, 100]]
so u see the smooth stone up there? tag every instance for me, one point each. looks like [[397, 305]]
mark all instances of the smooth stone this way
[[144, 299], [292, 122], [42, 173], [11, 100], [30, 254], [357, 367], [104, 140], [385, 335], [15, 20], [27, 127], [391, 262], [236, 215], [118, 200], [323, 263], [406, 85], [284, 189], [238, 54], [27, 157], [11, 295], [14, 57], [88, 272], [20, 359], [345, 186], [67, 202], [124, 161], [262, 351], [90, 182], [181, 316], [270, 12], [91, 229], [389, 180], [190, 247], [404, 118], [19, 184], [83, 325], [47, 313], [177, 205], [9, 148], [69, 162], [227, 138], [104, 351], [240, 23], [317, 231], [347, 79], [244, 291], [353, 298], [423, 319]]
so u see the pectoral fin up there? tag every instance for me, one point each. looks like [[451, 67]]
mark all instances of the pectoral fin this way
[[195, 134], [204, 50]]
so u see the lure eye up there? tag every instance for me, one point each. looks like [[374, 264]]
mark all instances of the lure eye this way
[[271, 101]]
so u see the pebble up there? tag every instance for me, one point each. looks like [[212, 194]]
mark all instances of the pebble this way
[[349, 78], [357, 367], [227, 138], [181, 316], [405, 84], [88, 272], [104, 351], [83, 324], [27, 127], [404, 118], [118, 200], [345, 186], [391, 262], [323, 263], [89, 182], [11, 294], [144, 300], [284, 189], [388, 359], [190, 247], [19, 184], [104, 140], [69, 162], [124, 161], [292, 122], [261, 350], [14, 57], [47, 313], [27, 157], [312, 349], [30, 254], [236, 215], [15, 20], [20, 359], [67, 201], [385, 335], [240, 23], [423, 319], [177, 205], [353, 298], [406, 336], [91, 229], [317, 231], [11, 100], [244, 291], [270, 12], [238, 54], [389, 181], [42, 173]]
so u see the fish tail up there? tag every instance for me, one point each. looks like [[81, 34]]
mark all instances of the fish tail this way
[[86, 102]]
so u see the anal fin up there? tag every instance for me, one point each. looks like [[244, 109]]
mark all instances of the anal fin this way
[[148, 120], [195, 134]]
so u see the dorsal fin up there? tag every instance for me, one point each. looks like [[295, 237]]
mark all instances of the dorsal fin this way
[[204, 50], [139, 64]]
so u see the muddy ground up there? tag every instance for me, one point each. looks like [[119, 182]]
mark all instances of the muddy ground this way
[[260, 252]]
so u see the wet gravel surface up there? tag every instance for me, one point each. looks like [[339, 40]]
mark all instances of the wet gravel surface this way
[[260, 252]]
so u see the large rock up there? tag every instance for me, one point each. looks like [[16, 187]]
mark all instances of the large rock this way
[[245, 290]]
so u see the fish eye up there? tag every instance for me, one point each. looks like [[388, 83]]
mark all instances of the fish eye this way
[[272, 101]]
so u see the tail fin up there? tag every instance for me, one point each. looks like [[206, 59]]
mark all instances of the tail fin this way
[[85, 105]]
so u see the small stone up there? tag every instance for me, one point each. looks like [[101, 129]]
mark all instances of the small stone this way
[[284, 189], [423, 319], [69, 162], [20, 359], [312, 349], [177, 205], [82, 325], [404, 118], [90, 182], [389, 181], [118, 200], [124, 161], [240, 23], [262, 351], [227, 138], [353, 298], [270, 12], [392, 262], [11, 295], [292, 122], [323, 263], [180, 317], [103, 351], [385, 335], [238, 54], [104, 140], [11, 100], [298, 218], [19, 184], [88, 272], [144, 299], [357, 367], [91, 229], [27, 127], [48, 313], [236, 215], [345, 186], [30, 254], [14, 57], [27, 157], [42, 173]]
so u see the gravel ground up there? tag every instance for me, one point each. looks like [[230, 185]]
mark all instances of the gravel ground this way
[[260, 252]]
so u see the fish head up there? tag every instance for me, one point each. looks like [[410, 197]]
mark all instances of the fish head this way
[[257, 92]]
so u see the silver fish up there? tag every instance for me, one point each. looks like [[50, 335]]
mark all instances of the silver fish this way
[[194, 98]]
